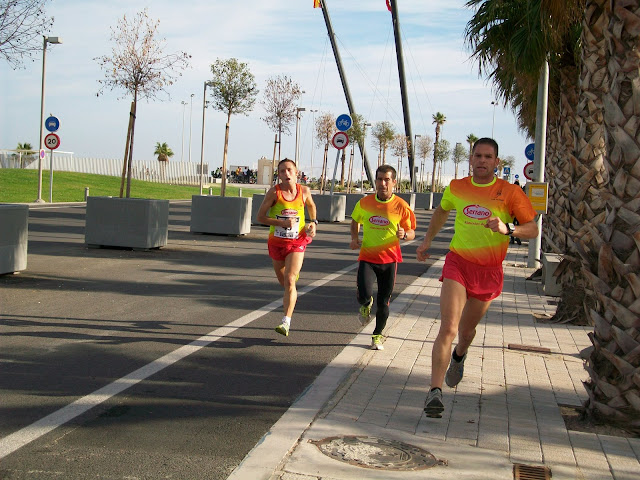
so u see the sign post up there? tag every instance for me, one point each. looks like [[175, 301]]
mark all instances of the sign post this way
[[51, 141], [340, 141]]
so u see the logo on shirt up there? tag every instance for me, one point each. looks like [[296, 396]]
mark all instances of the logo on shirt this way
[[377, 220], [289, 212], [476, 211]]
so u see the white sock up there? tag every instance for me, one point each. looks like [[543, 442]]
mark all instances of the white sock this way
[[286, 320]]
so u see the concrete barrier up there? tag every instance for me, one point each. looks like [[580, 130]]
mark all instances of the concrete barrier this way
[[13, 237], [550, 286], [126, 222], [258, 198], [352, 199], [330, 208], [221, 215]]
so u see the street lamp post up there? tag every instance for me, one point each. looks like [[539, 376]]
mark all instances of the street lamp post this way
[[184, 105], [204, 107], [493, 123], [313, 126], [190, 122], [298, 110], [364, 141], [45, 40], [415, 180]]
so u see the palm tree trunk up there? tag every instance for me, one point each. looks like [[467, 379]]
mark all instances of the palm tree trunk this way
[[610, 241]]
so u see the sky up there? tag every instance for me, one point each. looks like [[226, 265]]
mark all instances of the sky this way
[[274, 37]]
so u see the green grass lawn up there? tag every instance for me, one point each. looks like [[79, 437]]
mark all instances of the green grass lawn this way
[[21, 186]]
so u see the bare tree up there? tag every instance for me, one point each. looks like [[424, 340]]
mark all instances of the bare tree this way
[[325, 129], [399, 149], [424, 147], [280, 102], [383, 133], [459, 154], [139, 66], [442, 154], [234, 91], [22, 23]]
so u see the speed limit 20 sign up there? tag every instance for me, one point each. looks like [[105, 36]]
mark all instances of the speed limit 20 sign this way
[[52, 141]]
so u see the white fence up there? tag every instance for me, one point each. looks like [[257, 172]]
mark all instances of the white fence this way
[[182, 173]]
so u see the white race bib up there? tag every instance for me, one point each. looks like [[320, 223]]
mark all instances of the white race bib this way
[[289, 233]]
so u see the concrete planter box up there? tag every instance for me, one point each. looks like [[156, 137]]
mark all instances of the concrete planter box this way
[[550, 262], [258, 198], [221, 215], [352, 199], [127, 222], [410, 198], [428, 201], [13, 237], [330, 208]]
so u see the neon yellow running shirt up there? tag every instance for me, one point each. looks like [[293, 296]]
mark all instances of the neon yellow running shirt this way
[[380, 220], [474, 204], [284, 209]]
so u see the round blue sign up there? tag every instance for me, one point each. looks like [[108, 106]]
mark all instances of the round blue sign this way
[[52, 124], [344, 122], [517, 176], [529, 151]]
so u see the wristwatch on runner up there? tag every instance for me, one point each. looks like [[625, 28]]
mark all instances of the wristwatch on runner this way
[[510, 228], [314, 221]]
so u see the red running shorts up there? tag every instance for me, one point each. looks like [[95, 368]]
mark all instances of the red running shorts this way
[[481, 282]]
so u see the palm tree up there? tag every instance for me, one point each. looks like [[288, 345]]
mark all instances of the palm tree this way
[[163, 152], [590, 115], [471, 139], [438, 119], [26, 151]]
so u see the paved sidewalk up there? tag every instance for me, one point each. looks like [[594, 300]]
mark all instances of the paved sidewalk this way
[[504, 412]]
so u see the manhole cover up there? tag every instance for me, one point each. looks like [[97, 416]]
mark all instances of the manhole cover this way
[[372, 452]]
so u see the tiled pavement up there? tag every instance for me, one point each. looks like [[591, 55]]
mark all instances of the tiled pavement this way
[[505, 411]]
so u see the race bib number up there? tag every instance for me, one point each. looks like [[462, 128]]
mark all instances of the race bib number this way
[[289, 233]]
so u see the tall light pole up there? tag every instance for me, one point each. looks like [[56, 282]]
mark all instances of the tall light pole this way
[[204, 107], [190, 121], [364, 141], [493, 123], [313, 131], [184, 105], [45, 40], [298, 110], [415, 180]]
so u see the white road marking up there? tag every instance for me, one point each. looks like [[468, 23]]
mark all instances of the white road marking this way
[[28, 434]]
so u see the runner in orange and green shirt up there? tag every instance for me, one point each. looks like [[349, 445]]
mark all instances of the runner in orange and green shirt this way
[[386, 219], [472, 275]]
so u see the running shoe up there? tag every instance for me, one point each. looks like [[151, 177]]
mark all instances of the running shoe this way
[[376, 342], [455, 372], [283, 329], [365, 312], [433, 406]]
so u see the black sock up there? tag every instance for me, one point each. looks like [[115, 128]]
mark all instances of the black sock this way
[[456, 357], [435, 388]]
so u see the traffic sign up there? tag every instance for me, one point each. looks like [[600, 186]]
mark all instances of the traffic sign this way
[[506, 171], [529, 151], [52, 141], [340, 140], [52, 124], [516, 176], [528, 171], [42, 153], [344, 122]]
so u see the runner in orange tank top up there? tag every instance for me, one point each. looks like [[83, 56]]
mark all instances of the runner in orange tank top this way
[[283, 210]]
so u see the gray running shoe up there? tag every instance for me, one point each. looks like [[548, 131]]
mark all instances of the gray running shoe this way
[[455, 372], [365, 312], [433, 406]]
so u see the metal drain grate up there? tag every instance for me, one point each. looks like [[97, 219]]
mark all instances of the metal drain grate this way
[[377, 453], [530, 472]]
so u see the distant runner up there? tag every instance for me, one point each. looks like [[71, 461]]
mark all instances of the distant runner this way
[[283, 209], [472, 275], [386, 219]]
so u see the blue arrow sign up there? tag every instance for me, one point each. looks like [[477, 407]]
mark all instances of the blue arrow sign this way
[[344, 122], [517, 176], [52, 124], [529, 151]]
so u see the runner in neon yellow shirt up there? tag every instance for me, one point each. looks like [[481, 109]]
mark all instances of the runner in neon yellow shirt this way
[[472, 275], [386, 219]]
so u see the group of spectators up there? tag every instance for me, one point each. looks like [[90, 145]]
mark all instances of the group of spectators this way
[[239, 175]]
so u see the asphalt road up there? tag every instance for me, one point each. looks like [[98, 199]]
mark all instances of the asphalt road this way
[[169, 355]]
